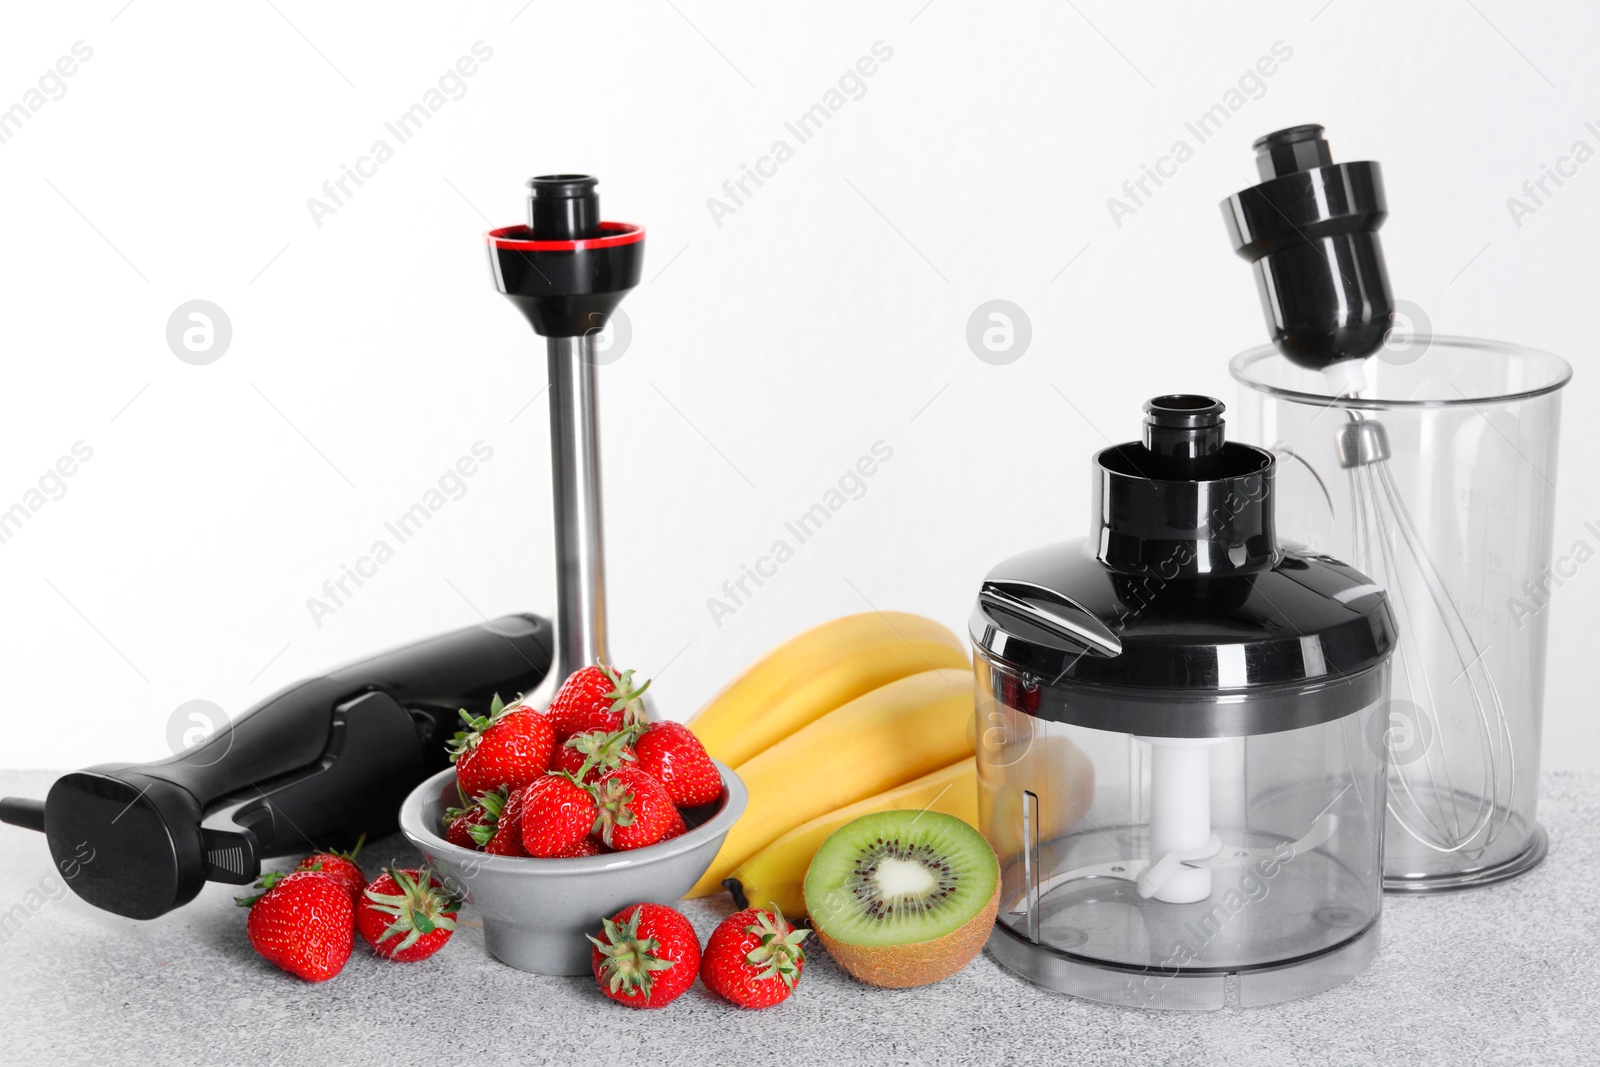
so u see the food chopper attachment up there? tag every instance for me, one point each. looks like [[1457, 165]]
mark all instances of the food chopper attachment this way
[[1177, 761], [1430, 467], [567, 271]]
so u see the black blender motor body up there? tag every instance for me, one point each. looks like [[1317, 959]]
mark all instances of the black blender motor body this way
[[312, 766], [333, 757]]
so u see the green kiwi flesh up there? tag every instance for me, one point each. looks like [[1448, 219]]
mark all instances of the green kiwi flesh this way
[[900, 878]]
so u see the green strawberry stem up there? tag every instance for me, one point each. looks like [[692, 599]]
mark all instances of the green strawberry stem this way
[[612, 800], [466, 740], [264, 883], [625, 698], [602, 749], [418, 909], [627, 962], [779, 955], [493, 803]]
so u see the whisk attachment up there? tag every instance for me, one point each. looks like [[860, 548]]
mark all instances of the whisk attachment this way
[[1310, 231], [1446, 801]]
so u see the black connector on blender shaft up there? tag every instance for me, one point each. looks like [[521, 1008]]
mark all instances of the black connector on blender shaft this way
[[566, 270], [564, 207], [1310, 229]]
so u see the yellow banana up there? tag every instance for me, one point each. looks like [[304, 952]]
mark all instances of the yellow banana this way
[[815, 672], [774, 875], [890, 736]]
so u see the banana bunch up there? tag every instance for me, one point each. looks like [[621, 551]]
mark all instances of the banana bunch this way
[[815, 672], [871, 712]]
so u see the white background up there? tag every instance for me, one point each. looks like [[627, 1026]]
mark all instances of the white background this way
[[828, 312]]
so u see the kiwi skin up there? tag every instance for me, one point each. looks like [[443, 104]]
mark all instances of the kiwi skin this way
[[919, 963]]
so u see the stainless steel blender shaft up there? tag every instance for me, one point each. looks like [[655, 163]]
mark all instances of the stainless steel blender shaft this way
[[567, 271], [575, 484]]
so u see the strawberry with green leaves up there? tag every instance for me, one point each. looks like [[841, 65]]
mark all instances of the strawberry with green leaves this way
[[646, 956], [597, 698], [754, 958], [303, 923], [407, 915], [511, 746], [635, 810], [459, 823], [341, 867], [499, 831]]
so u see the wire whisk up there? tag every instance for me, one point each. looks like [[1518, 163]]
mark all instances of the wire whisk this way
[[1448, 801]]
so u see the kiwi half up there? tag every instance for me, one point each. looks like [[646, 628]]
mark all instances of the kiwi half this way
[[903, 898]]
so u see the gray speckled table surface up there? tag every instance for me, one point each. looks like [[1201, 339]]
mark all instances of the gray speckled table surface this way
[[1507, 974]]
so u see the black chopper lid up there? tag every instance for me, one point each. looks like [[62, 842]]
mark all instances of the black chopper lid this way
[[1310, 230], [1181, 615]]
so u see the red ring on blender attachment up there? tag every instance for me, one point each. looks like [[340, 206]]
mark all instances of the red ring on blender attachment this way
[[519, 238]]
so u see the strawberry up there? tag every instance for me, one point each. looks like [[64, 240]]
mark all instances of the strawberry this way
[[645, 956], [303, 923], [671, 754], [635, 809], [341, 867], [596, 698], [558, 813], [499, 833], [589, 846], [676, 827], [754, 958], [459, 823], [588, 756], [511, 746], [407, 915]]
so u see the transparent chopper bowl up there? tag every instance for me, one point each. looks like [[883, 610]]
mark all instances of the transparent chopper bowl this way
[[1291, 903], [1457, 523]]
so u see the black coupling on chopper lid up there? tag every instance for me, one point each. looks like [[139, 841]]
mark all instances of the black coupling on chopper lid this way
[[1181, 615], [567, 270], [1184, 501], [1310, 230]]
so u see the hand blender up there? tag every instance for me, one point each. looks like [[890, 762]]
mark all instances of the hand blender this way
[[309, 767], [334, 756]]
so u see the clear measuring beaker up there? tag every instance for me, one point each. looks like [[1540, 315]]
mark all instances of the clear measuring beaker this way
[[1437, 479]]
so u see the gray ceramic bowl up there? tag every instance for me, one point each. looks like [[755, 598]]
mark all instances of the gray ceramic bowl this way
[[536, 912]]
